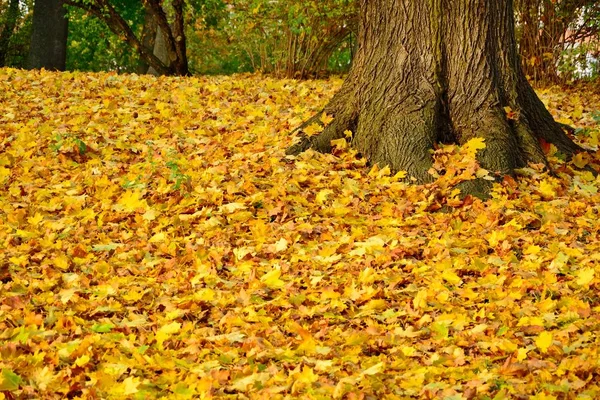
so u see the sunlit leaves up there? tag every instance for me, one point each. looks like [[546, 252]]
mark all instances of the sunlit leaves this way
[[185, 256]]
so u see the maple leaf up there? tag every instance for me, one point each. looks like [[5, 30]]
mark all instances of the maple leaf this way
[[276, 275], [544, 341], [130, 202], [271, 278], [585, 276], [166, 331]]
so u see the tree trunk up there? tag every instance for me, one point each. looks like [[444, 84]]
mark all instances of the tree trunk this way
[[147, 40], [438, 71], [7, 31], [49, 37], [160, 51]]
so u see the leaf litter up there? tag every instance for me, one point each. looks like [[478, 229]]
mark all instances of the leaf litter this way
[[155, 242]]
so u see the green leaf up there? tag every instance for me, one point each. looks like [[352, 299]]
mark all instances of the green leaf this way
[[102, 328], [9, 380]]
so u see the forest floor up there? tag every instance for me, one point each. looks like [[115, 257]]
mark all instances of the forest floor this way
[[155, 241]]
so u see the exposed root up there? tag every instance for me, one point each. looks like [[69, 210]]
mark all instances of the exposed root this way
[[567, 128], [479, 188]]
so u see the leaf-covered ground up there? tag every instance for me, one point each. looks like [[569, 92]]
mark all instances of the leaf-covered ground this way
[[155, 242]]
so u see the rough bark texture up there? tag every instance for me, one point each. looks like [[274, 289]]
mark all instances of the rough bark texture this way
[[438, 71], [49, 37], [7, 30]]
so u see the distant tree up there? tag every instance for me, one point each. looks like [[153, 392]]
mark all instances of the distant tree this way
[[172, 31], [292, 38], [92, 46], [6, 32], [547, 27], [436, 71], [49, 37]]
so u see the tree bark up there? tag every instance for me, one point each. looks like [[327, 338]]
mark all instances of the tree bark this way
[[160, 50], [49, 37], [174, 36], [438, 71], [148, 40], [7, 31]]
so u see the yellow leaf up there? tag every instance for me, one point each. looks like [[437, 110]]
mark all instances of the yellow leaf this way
[[496, 237], [408, 351], [36, 219], [580, 160], [543, 341], [400, 175], [42, 378], [281, 245], [130, 385], [4, 173], [158, 238], [420, 300], [271, 278], [585, 276], [521, 354], [547, 190], [375, 369], [130, 202], [322, 195], [473, 145], [232, 207], [308, 346], [326, 119], [307, 376], [339, 144], [81, 361], [532, 249], [313, 130], [450, 277], [61, 262], [166, 331]]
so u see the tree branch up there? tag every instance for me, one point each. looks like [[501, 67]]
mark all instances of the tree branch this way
[[104, 11]]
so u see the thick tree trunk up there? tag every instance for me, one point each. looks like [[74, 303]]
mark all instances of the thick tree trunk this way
[[7, 31], [49, 37], [438, 71]]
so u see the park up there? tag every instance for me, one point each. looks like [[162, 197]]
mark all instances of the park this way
[[400, 201]]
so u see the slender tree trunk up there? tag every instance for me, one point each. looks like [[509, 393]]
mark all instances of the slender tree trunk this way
[[438, 71], [7, 31], [49, 37]]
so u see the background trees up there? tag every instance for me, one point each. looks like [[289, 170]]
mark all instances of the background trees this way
[[15, 31], [168, 20], [558, 39], [9, 23]]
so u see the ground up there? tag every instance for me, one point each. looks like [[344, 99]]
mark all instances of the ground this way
[[156, 241]]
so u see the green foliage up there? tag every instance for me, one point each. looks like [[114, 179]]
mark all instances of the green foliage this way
[[93, 47], [18, 46], [297, 38]]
